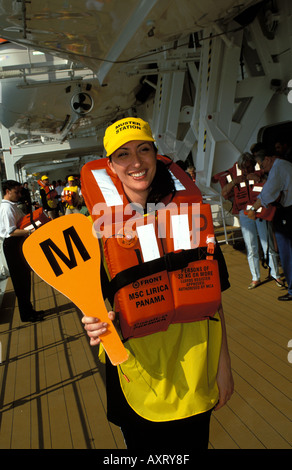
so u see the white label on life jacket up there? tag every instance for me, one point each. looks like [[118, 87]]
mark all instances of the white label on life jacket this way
[[107, 187], [229, 179], [181, 232], [178, 185], [31, 227], [148, 242], [238, 171], [257, 189]]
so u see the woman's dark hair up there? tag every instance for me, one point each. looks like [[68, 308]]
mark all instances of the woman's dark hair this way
[[162, 184]]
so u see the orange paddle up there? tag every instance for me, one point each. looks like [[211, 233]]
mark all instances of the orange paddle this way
[[66, 255]]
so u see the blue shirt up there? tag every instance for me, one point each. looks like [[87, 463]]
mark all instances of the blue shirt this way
[[279, 182]]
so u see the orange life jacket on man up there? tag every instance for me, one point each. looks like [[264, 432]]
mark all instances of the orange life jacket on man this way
[[51, 194], [160, 264]]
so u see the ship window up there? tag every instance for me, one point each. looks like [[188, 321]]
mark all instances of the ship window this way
[[269, 135]]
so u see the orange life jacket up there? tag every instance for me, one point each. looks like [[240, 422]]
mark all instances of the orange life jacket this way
[[51, 193], [160, 264], [33, 220], [266, 213], [245, 194], [68, 197]]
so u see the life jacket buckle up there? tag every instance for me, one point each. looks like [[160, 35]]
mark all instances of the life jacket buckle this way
[[127, 239]]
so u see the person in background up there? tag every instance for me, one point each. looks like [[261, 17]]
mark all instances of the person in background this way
[[278, 191], [71, 196], [192, 172], [257, 147], [13, 238], [238, 186], [49, 197], [60, 188], [283, 149], [25, 200]]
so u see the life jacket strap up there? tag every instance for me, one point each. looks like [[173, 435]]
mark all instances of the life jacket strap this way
[[169, 262]]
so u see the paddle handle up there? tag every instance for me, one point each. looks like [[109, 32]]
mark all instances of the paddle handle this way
[[110, 339]]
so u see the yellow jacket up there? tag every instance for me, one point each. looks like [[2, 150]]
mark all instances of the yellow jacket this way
[[172, 374]]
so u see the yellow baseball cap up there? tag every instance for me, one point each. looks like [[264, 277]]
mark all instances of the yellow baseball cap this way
[[44, 178], [125, 130], [71, 178]]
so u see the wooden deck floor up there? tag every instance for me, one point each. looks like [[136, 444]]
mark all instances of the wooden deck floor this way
[[52, 393]]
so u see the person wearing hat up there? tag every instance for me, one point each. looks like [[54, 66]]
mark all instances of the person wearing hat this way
[[49, 197], [163, 395], [71, 196]]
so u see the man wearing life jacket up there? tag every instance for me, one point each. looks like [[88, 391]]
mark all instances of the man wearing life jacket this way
[[178, 369], [49, 197], [71, 195], [241, 185]]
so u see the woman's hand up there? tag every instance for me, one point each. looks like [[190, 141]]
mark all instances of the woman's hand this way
[[96, 328], [224, 374], [224, 381]]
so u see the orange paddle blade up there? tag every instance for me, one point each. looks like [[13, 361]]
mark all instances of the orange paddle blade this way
[[66, 254]]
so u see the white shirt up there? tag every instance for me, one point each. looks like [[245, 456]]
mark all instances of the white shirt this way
[[279, 181], [10, 214], [59, 190]]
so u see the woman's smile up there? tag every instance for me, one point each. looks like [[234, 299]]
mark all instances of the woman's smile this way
[[139, 175], [135, 165]]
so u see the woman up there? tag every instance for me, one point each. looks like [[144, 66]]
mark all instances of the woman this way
[[243, 181], [163, 395]]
